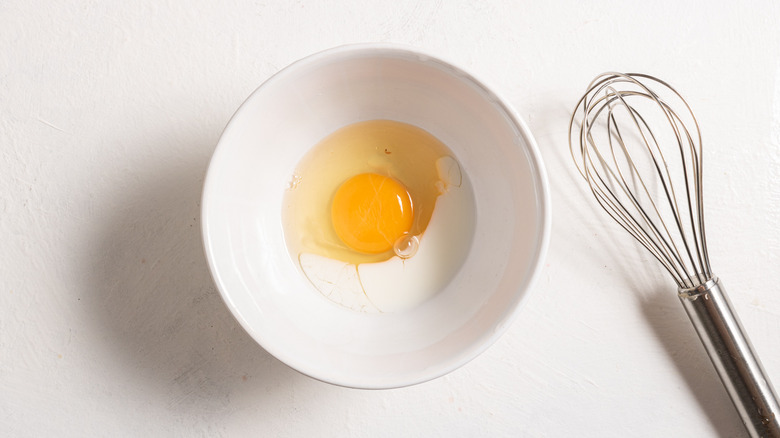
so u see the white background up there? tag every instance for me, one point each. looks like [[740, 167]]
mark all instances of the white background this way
[[110, 324]]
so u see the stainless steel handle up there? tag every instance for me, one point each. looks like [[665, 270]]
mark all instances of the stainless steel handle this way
[[738, 366]]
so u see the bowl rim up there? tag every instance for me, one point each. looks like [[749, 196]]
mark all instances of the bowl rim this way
[[541, 186]]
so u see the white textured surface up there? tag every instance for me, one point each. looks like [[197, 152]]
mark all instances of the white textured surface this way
[[110, 325]]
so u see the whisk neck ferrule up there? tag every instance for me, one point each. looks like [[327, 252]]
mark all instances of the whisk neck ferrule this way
[[697, 284]]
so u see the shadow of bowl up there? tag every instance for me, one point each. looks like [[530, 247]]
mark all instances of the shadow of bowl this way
[[152, 296]]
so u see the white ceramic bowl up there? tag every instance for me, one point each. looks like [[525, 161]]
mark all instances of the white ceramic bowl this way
[[253, 164]]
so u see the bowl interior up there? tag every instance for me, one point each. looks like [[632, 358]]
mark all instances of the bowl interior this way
[[251, 169]]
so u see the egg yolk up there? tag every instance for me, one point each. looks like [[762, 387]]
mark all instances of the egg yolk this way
[[370, 212]]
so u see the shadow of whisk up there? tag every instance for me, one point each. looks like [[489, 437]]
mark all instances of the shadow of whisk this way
[[673, 330]]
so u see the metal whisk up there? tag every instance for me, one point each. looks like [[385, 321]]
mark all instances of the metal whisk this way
[[650, 182]]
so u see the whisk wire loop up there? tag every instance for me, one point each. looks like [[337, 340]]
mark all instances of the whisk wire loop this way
[[636, 118], [673, 230]]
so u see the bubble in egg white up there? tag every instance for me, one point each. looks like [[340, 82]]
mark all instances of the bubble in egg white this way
[[406, 246]]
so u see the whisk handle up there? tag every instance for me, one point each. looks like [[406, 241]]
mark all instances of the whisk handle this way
[[738, 366]]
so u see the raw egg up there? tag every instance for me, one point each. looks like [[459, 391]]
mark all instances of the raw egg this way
[[379, 216]]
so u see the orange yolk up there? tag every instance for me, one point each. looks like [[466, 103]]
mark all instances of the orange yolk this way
[[370, 212]]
